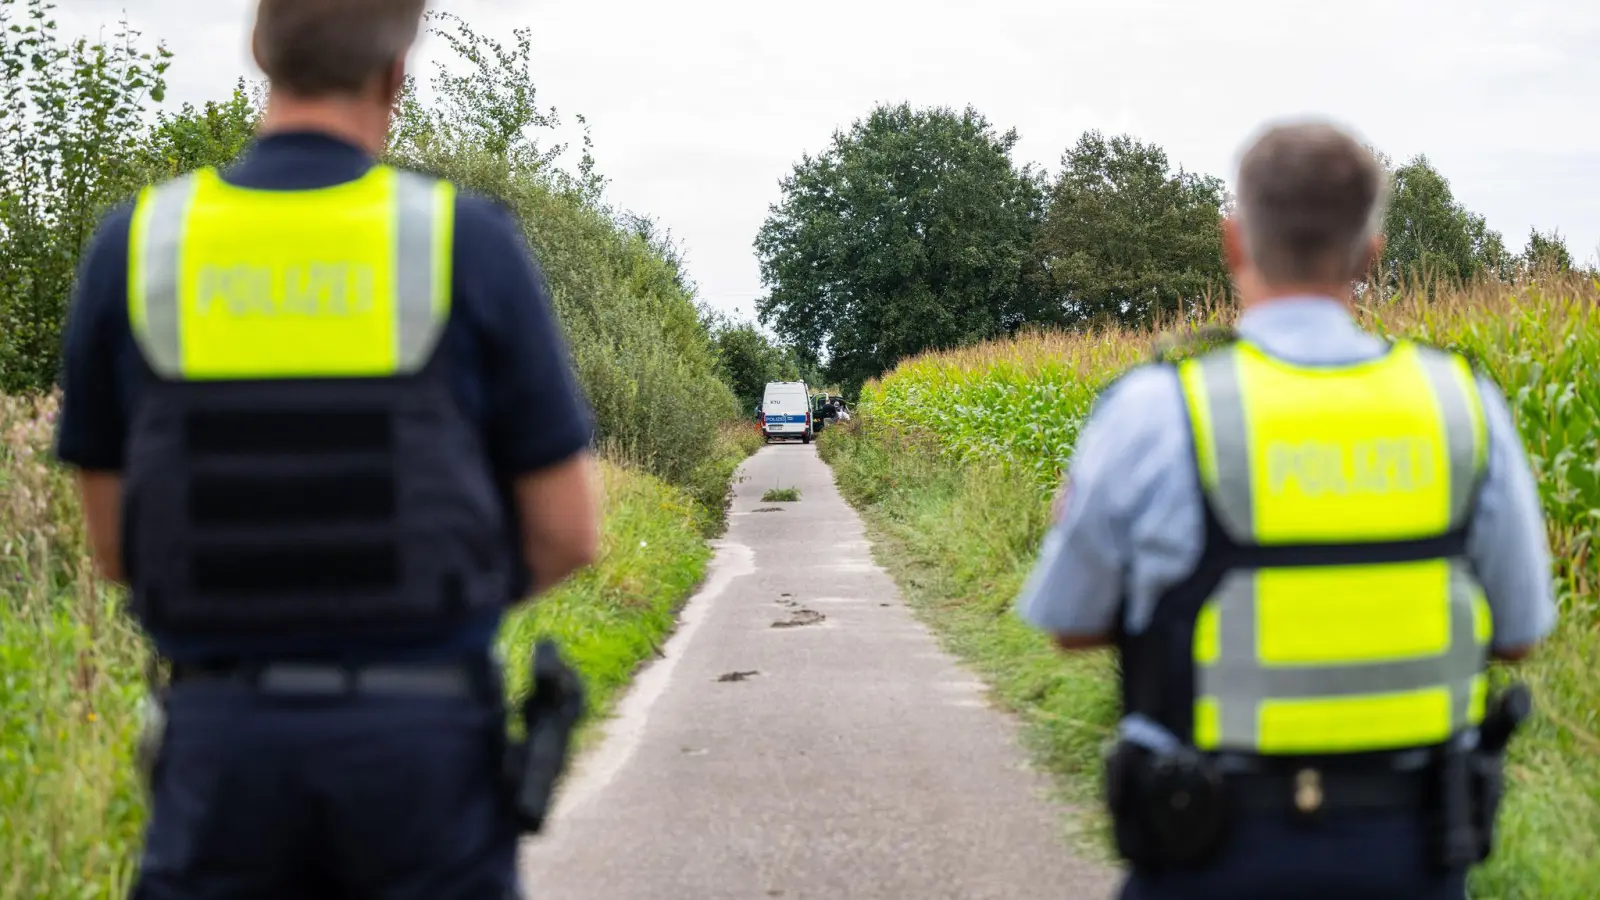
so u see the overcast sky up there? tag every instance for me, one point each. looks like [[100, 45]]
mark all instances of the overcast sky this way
[[699, 107]]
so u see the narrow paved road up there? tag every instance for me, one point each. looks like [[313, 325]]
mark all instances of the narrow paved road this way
[[805, 738]]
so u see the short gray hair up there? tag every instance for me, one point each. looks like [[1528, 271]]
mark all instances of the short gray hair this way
[[324, 47], [1310, 199]]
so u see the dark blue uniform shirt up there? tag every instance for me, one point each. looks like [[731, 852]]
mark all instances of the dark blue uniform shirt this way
[[514, 380]]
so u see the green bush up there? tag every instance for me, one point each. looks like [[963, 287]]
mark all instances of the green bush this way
[[748, 361], [643, 355], [74, 143], [69, 124]]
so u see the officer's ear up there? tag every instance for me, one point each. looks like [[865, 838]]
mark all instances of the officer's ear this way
[[1233, 246], [392, 81], [1376, 252], [1369, 258]]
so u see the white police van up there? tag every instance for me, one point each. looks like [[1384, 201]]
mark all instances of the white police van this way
[[786, 411]]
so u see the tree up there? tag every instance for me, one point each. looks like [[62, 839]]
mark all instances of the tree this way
[[1545, 254], [70, 117], [491, 107], [1429, 233], [747, 360], [645, 361], [1126, 238], [908, 233], [76, 137], [212, 135]]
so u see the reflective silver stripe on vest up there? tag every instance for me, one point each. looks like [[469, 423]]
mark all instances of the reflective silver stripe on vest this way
[[1467, 658], [164, 212], [1241, 684], [1461, 425], [420, 313], [1231, 499]]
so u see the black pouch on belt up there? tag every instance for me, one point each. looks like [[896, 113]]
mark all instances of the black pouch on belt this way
[[1122, 793], [1169, 809]]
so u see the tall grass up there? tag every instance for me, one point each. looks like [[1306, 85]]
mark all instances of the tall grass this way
[[955, 454], [70, 682], [72, 667]]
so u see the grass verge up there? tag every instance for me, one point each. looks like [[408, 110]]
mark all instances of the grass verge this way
[[959, 543], [711, 484], [71, 665], [615, 615]]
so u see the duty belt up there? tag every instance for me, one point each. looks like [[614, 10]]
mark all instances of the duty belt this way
[[1309, 791], [328, 679]]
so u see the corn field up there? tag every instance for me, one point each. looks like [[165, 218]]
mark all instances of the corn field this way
[[1021, 402]]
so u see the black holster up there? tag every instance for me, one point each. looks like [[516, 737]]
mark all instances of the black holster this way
[[1471, 784], [550, 714], [1169, 810]]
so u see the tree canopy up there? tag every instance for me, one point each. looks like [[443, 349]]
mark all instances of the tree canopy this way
[[1429, 233], [748, 359], [1545, 253], [83, 130], [916, 230], [910, 231], [1127, 238]]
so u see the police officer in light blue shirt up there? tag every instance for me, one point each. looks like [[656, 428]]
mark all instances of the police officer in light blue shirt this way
[[1131, 522]]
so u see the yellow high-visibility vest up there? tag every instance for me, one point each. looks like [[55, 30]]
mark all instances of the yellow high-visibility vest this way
[[299, 460], [352, 280], [1351, 621]]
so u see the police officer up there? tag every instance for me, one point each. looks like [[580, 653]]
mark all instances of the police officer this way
[[1304, 544], [326, 433]]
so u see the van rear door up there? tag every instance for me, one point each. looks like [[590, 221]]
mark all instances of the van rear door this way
[[786, 410]]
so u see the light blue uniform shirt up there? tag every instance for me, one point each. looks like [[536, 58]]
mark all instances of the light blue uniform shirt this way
[[1132, 524]]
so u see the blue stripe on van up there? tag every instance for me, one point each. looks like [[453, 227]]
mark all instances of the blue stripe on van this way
[[786, 419]]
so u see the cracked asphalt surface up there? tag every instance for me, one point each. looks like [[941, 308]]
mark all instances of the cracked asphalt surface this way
[[804, 737]]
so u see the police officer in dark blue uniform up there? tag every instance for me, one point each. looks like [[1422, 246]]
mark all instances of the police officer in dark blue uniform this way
[[325, 431]]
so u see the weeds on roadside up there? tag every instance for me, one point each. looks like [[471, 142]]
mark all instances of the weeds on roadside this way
[[73, 675], [72, 665]]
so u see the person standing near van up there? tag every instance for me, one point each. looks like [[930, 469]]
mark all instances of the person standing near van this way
[[1304, 545], [325, 431]]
